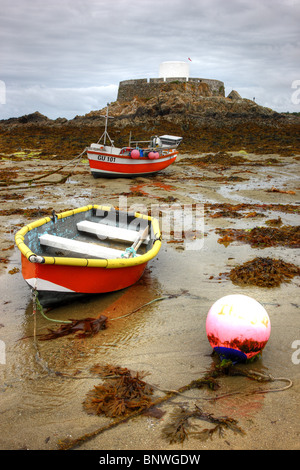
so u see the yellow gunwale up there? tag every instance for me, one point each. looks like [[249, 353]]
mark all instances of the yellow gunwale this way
[[89, 262]]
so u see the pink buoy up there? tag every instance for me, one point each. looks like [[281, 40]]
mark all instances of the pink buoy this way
[[135, 153], [237, 327], [151, 155], [156, 155]]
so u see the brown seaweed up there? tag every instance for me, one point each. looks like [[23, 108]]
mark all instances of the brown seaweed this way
[[261, 237], [275, 222], [240, 207], [81, 328], [67, 138], [28, 213], [245, 345], [221, 158], [123, 393], [276, 190], [264, 272], [183, 422]]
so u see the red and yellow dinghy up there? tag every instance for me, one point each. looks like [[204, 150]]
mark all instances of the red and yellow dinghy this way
[[90, 250]]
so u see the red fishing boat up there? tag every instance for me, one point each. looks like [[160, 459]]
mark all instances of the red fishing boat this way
[[90, 250], [139, 158]]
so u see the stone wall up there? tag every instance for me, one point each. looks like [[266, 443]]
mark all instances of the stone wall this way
[[146, 89]]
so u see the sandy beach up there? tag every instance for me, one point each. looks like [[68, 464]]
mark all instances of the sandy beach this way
[[43, 384]]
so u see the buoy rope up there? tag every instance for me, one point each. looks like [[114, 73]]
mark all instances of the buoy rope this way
[[265, 377], [139, 308], [51, 172], [37, 305]]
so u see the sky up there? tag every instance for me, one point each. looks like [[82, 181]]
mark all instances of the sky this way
[[66, 57]]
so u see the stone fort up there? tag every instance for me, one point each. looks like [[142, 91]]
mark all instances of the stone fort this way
[[169, 72]]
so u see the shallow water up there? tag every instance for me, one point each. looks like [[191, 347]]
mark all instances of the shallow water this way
[[166, 338]]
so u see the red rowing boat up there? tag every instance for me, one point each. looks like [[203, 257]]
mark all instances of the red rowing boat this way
[[89, 250]]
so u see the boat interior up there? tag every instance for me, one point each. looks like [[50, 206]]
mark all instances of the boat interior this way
[[96, 233]]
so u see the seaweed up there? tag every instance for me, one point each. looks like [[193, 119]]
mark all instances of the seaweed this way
[[123, 393], [264, 272], [6, 175], [28, 213], [221, 157], [240, 207], [11, 196], [82, 328], [14, 270], [282, 191], [261, 237], [182, 424], [245, 345], [63, 139], [274, 222]]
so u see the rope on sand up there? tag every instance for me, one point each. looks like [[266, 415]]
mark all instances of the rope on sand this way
[[52, 172]]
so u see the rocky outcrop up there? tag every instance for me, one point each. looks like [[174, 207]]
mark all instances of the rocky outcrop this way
[[174, 105], [206, 123], [32, 119]]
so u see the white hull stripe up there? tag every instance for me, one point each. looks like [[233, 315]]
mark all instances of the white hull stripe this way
[[131, 161], [42, 284]]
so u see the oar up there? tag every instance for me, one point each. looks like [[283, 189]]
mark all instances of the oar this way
[[136, 244]]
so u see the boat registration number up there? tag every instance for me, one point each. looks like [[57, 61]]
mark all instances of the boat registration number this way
[[106, 158]]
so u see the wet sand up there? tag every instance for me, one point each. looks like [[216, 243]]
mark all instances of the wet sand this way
[[166, 338]]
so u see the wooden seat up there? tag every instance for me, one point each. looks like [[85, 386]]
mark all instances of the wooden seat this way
[[90, 250], [108, 231]]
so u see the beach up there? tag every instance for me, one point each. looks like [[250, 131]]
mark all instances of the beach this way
[[157, 326]]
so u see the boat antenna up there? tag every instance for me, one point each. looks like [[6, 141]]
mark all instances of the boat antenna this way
[[105, 133]]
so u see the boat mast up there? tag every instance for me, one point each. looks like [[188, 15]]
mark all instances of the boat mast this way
[[105, 133]]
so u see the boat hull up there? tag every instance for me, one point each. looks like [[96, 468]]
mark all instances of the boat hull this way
[[55, 283], [110, 165]]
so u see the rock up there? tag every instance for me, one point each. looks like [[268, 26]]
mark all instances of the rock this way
[[28, 119], [234, 95]]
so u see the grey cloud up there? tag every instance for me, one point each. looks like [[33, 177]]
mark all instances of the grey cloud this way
[[80, 44]]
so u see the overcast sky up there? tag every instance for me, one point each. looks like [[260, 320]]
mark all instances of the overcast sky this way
[[66, 57]]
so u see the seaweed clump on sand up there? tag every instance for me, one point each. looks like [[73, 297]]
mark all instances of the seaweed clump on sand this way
[[261, 237], [219, 158], [264, 272], [81, 328], [223, 158], [122, 394], [183, 421]]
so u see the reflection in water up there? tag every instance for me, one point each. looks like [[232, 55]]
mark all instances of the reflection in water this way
[[68, 353]]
